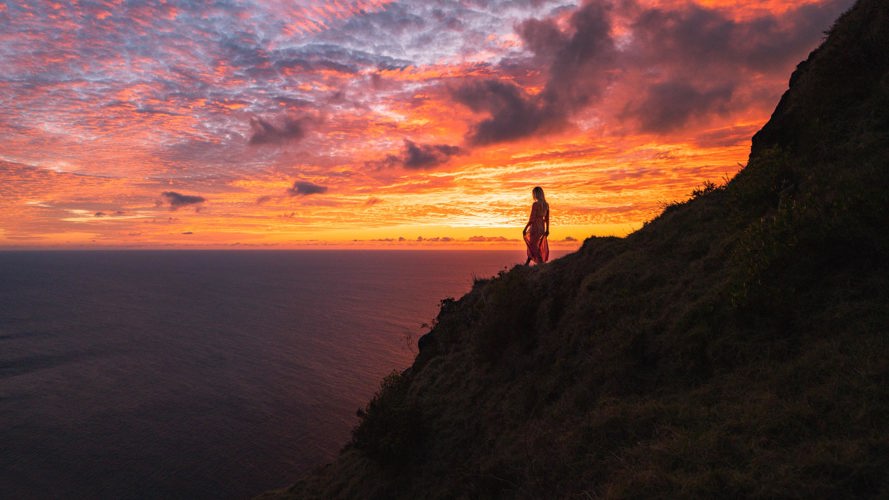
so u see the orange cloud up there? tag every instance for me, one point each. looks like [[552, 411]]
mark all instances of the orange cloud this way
[[360, 123]]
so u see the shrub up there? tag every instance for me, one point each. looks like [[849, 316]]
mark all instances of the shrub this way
[[706, 188], [510, 314], [391, 429]]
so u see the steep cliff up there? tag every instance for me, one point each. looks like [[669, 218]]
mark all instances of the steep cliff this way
[[736, 345]]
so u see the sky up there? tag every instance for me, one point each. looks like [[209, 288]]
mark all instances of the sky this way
[[377, 124]]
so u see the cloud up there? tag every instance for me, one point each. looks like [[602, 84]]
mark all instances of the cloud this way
[[418, 156], [672, 47], [576, 62], [542, 37], [264, 132], [332, 57], [644, 57], [726, 136], [177, 200], [378, 72], [579, 61], [671, 105], [303, 188], [417, 32], [483, 239], [513, 113], [421, 156], [698, 36], [372, 201]]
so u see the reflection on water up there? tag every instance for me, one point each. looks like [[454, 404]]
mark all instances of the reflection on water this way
[[201, 374]]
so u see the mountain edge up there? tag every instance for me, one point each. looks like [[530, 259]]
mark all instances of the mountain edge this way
[[736, 345]]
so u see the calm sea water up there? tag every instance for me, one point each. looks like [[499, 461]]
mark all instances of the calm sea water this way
[[201, 374]]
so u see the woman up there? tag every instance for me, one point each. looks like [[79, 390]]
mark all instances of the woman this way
[[537, 229]]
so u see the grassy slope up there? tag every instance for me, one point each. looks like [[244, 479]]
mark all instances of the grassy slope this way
[[736, 344]]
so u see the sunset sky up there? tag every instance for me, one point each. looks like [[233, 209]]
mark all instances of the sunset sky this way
[[401, 124]]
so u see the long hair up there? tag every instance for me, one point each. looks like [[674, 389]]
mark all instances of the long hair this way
[[537, 193]]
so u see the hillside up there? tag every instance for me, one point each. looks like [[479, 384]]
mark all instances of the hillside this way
[[737, 345]]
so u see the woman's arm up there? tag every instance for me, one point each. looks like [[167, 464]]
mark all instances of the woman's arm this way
[[546, 220], [530, 218]]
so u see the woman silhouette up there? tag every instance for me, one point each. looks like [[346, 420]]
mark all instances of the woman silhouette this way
[[537, 229]]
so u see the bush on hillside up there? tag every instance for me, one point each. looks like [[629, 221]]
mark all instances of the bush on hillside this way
[[391, 429], [509, 314]]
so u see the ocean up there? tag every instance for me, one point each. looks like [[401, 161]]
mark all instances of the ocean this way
[[202, 374]]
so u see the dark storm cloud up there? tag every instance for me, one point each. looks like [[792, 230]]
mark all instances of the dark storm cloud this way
[[303, 188], [667, 48], [699, 36], [577, 63], [697, 44], [265, 132], [421, 156], [177, 200], [542, 37], [577, 74], [513, 113], [671, 105]]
